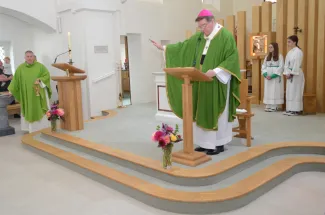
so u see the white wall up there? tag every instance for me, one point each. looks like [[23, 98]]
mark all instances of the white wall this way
[[94, 23], [43, 10], [98, 32], [19, 34], [143, 20], [247, 6], [48, 46]]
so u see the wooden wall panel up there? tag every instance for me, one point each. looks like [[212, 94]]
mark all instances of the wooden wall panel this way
[[320, 87], [256, 21], [256, 67], [230, 24], [188, 34], [303, 24], [266, 27], [311, 72], [241, 39], [281, 25], [292, 18], [266, 17], [221, 22]]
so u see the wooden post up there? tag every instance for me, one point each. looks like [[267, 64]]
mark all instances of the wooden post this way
[[292, 14], [320, 88], [188, 156], [188, 34], [281, 30], [266, 28], [311, 50], [281, 25], [266, 17], [303, 36], [256, 67], [221, 22], [188, 115], [230, 24], [70, 99], [241, 40]]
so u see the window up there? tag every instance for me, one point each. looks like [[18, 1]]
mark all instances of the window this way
[[2, 53], [273, 1]]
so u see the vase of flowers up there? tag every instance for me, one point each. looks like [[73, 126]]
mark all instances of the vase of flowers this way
[[53, 115], [166, 136]]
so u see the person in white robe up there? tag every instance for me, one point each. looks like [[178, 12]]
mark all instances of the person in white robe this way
[[295, 78], [272, 70]]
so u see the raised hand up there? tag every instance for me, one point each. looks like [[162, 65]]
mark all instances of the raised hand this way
[[159, 46]]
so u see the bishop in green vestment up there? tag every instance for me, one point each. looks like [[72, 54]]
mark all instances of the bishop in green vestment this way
[[31, 88], [214, 52]]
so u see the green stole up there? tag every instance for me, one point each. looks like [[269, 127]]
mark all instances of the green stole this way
[[33, 107], [209, 98]]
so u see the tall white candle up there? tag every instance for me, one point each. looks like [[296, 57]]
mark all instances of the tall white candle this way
[[69, 45]]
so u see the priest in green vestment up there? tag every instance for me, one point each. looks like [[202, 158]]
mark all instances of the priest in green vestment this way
[[31, 87], [213, 51]]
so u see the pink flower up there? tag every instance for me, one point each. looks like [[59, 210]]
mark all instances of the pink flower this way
[[167, 139], [157, 136], [48, 114], [60, 112]]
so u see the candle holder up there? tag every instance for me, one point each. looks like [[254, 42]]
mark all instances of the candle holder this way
[[70, 62]]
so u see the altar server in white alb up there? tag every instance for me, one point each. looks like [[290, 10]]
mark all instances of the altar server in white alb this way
[[272, 70], [295, 78]]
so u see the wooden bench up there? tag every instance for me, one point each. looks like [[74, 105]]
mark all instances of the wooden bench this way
[[13, 109], [244, 129]]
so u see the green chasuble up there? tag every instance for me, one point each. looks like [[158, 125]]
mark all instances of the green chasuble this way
[[33, 107], [209, 98]]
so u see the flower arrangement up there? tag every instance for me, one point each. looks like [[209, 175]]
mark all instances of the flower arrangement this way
[[166, 136], [54, 114]]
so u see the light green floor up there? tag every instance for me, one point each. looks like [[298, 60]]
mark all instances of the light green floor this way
[[33, 185], [133, 126]]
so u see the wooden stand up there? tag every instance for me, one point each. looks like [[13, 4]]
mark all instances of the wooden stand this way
[[70, 97], [188, 156], [310, 103]]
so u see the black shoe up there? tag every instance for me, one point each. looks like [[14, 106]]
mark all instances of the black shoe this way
[[17, 116], [199, 149], [220, 149], [212, 152]]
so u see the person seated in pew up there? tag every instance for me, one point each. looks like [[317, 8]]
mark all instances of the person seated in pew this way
[[5, 79]]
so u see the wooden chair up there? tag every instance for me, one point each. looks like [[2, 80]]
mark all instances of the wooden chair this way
[[244, 129], [13, 109]]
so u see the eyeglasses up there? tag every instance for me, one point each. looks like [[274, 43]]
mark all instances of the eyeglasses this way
[[202, 27]]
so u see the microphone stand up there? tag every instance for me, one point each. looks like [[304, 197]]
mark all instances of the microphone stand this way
[[70, 61], [196, 50]]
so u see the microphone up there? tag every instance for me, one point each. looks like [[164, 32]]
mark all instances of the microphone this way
[[61, 54], [197, 45]]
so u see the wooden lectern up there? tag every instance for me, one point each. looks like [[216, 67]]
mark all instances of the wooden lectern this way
[[188, 156], [70, 97]]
